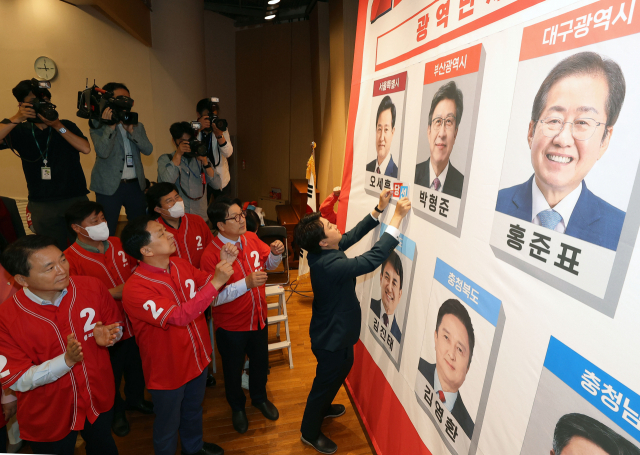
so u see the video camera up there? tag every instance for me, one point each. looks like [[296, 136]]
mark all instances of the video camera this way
[[92, 102], [43, 107], [214, 106], [196, 146]]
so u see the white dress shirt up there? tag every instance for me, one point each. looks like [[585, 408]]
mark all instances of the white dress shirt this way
[[234, 290], [383, 167], [564, 207], [449, 397], [442, 177], [127, 172]]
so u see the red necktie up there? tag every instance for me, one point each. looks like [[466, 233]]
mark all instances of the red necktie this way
[[378, 169], [385, 318], [441, 395], [239, 246]]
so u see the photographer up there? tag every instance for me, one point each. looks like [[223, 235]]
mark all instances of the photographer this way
[[187, 171], [50, 159], [218, 144], [118, 176]]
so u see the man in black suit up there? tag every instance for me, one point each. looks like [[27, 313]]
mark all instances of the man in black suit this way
[[445, 114], [385, 129], [390, 293], [335, 321], [454, 339]]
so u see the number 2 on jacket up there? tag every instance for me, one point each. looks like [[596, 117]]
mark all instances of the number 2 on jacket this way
[[256, 258], [3, 363], [151, 306]]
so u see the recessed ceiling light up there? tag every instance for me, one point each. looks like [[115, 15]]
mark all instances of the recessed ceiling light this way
[[270, 16], [273, 2]]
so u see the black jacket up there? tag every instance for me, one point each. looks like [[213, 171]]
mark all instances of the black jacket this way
[[452, 185], [335, 321], [459, 411]]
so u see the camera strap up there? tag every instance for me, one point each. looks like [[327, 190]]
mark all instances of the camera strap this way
[[204, 186], [213, 155]]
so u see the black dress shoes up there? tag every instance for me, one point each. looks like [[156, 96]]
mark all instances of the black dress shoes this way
[[335, 410], [322, 444], [120, 425], [240, 422], [208, 448], [268, 410], [211, 381], [144, 407]]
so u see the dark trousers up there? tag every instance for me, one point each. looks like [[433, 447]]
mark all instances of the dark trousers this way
[[125, 358], [97, 437], [128, 194], [3, 439], [232, 347], [48, 219], [179, 411], [333, 368]]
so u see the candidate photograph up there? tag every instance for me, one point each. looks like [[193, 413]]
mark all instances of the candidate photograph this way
[[572, 122], [391, 280], [445, 115], [579, 434], [385, 129], [454, 340]]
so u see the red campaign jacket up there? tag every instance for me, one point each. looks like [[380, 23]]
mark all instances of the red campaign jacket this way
[[113, 268], [249, 311], [191, 238], [31, 334], [171, 355]]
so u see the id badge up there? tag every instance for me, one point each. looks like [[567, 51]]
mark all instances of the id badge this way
[[129, 160], [45, 173]]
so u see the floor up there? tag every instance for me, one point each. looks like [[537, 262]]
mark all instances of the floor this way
[[287, 388]]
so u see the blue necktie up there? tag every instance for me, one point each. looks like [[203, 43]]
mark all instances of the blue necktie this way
[[549, 218]]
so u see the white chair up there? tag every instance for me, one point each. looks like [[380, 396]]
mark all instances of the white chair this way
[[282, 317]]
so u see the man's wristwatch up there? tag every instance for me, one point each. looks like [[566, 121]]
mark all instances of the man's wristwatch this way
[[62, 130], [219, 137], [377, 209], [207, 166]]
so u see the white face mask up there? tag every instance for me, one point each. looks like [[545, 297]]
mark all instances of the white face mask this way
[[177, 211], [99, 233]]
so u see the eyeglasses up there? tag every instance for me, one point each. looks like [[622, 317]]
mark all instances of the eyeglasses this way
[[581, 128], [449, 122], [237, 217]]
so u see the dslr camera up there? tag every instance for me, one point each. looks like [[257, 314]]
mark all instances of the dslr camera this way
[[43, 107], [196, 146], [92, 102], [214, 107]]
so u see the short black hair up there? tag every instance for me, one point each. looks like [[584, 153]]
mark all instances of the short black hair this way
[[113, 86], [79, 211], [395, 262], [15, 258], [203, 105], [135, 236], [448, 91], [22, 90], [155, 193], [179, 129], [590, 64], [385, 104], [582, 426], [253, 221], [309, 233], [457, 309], [218, 210]]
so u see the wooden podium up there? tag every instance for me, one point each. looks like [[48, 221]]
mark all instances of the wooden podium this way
[[289, 214]]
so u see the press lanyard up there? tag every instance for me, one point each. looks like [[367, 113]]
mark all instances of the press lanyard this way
[[44, 155]]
